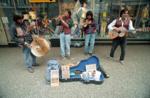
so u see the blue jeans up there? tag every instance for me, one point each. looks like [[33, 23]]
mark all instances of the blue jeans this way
[[29, 58], [65, 41], [89, 39]]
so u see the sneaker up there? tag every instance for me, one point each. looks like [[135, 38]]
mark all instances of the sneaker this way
[[36, 64], [85, 53], [107, 75], [90, 54], [68, 57], [122, 62], [111, 58], [47, 82], [30, 69], [62, 58]]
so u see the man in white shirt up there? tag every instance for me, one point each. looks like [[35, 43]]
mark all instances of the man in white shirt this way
[[122, 22]]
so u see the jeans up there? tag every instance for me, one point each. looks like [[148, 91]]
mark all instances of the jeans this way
[[65, 41], [89, 39], [29, 58], [122, 42]]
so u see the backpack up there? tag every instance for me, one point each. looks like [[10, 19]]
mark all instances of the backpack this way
[[51, 65]]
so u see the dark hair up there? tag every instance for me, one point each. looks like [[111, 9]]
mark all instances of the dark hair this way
[[89, 13], [83, 3], [123, 11], [17, 17], [24, 13], [69, 12]]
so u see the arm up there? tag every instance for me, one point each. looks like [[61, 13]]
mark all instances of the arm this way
[[131, 26], [71, 24], [79, 10], [63, 22], [94, 26], [111, 25], [13, 34]]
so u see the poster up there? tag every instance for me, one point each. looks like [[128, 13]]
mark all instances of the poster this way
[[90, 67], [54, 78], [65, 72], [4, 20]]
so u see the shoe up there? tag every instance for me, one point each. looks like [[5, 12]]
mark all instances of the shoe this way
[[90, 54], [109, 57], [122, 62], [107, 75], [36, 64], [85, 53], [47, 82], [62, 58], [30, 69], [68, 57]]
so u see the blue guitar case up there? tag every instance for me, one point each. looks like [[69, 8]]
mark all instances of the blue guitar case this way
[[75, 71]]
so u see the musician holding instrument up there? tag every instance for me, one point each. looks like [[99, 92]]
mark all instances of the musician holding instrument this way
[[120, 26], [20, 34], [89, 29], [65, 35]]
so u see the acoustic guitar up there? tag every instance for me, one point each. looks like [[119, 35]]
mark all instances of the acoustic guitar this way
[[124, 32]]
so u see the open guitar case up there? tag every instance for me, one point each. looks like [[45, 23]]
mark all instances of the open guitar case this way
[[76, 71]]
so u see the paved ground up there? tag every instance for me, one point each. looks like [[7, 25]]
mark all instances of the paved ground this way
[[131, 80]]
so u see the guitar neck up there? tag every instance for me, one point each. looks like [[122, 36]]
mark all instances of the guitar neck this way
[[140, 29]]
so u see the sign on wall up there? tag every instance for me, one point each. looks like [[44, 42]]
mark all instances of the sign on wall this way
[[39, 1]]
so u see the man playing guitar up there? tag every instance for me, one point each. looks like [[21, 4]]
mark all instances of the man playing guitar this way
[[120, 25]]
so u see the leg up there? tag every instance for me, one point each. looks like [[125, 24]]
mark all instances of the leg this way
[[67, 44], [122, 46], [92, 42], [114, 46], [28, 59], [34, 60], [62, 44], [87, 39]]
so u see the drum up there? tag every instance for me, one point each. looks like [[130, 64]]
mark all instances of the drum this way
[[39, 46]]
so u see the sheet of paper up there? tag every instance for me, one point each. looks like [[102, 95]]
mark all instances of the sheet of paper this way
[[91, 67], [65, 72], [4, 20], [54, 78]]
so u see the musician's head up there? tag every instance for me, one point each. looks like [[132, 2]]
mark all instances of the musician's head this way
[[67, 13], [25, 16], [89, 15], [18, 19], [84, 4], [124, 13]]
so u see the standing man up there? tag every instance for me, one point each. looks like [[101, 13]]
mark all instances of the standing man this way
[[20, 34], [65, 35], [125, 22]]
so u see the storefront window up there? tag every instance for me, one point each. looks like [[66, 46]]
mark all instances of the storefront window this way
[[138, 10], [105, 11]]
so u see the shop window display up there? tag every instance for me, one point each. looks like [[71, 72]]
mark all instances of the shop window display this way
[[104, 12]]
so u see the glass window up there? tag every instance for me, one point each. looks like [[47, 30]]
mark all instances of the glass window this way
[[105, 11], [108, 10]]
